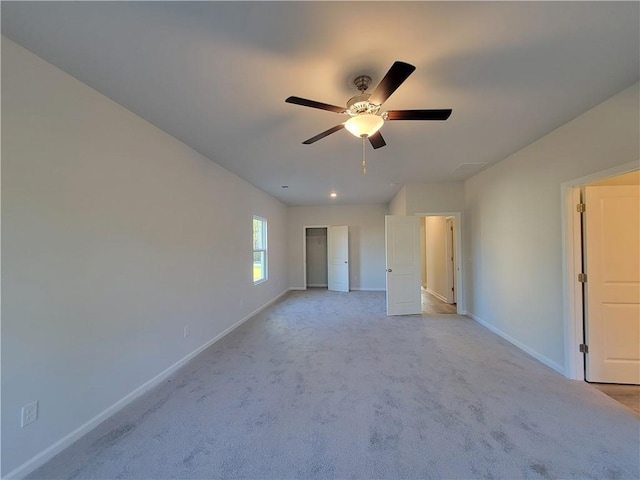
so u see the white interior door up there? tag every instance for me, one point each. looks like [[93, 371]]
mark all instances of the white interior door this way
[[338, 258], [404, 265], [613, 284]]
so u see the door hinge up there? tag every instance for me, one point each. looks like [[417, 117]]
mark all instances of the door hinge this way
[[584, 348], [581, 207], [582, 278]]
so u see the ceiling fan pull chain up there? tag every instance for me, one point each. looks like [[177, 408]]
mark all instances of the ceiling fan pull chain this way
[[364, 160]]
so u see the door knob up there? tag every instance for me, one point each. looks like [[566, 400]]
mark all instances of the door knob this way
[[346, 261], [389, 270]]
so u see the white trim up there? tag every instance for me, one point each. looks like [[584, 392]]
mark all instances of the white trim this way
[[264, 249], [571, 253], [437, 295], [48, 453], [297, 288], [538, 356]]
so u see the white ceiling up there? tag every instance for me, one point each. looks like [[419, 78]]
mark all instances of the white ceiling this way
[[215, 76]]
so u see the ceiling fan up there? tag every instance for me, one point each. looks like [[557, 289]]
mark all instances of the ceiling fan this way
[[365, 109]]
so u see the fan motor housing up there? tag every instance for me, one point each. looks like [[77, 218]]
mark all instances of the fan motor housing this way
[[360, 104]]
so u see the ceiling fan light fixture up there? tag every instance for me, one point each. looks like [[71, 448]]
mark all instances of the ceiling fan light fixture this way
[[364, 125]]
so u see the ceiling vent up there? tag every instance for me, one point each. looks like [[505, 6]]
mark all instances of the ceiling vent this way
[[470, 167]]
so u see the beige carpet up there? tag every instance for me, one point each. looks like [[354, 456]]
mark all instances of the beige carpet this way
[[324, 385]]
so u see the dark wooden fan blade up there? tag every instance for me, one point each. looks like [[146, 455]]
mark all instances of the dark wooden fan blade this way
[[396, 75], [376, 140], [313, 104], [324, 134], [419, 114]]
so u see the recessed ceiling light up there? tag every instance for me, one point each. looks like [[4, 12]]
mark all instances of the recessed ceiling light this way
[[333, 194]]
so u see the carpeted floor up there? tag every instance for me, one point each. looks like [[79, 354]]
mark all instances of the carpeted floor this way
[[324, 385]]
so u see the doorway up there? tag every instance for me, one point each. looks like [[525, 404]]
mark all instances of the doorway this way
[[439, 264], [611, 261], [325, 254], [602, 331], [316, 257], [404, 244]]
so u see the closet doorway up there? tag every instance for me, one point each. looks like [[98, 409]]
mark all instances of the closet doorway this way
[[316, 271]]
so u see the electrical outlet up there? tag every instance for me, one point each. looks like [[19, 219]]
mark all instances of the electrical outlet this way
[[29, 413], [186, 331]]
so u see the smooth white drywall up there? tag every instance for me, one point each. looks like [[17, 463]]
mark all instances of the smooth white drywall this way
[[398, 204], [415, 198], [513, 235], [436, 255], [434, 197], [115, 237], [366, 241]]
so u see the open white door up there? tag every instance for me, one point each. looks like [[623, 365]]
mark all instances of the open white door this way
[[613, 284], [404, 262], [338, 258]]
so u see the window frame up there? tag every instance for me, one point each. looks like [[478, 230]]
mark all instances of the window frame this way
[[263, 250]]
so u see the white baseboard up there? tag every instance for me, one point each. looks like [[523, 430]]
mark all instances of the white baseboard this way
[[51, 451], [538, 356], [437, 295], [297, 288]]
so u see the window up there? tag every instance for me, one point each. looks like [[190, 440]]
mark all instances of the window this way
[[259, 249]]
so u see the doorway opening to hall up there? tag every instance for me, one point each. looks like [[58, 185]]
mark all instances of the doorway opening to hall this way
[[439, 264]]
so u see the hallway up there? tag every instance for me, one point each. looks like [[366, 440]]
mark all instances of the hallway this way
[[431, 305]]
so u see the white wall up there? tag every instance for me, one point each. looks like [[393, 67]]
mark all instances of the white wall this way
[[434, 197], [398, 204], [512, 230], [415, 198], [436, 256], [366, 241], [115, 236]]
